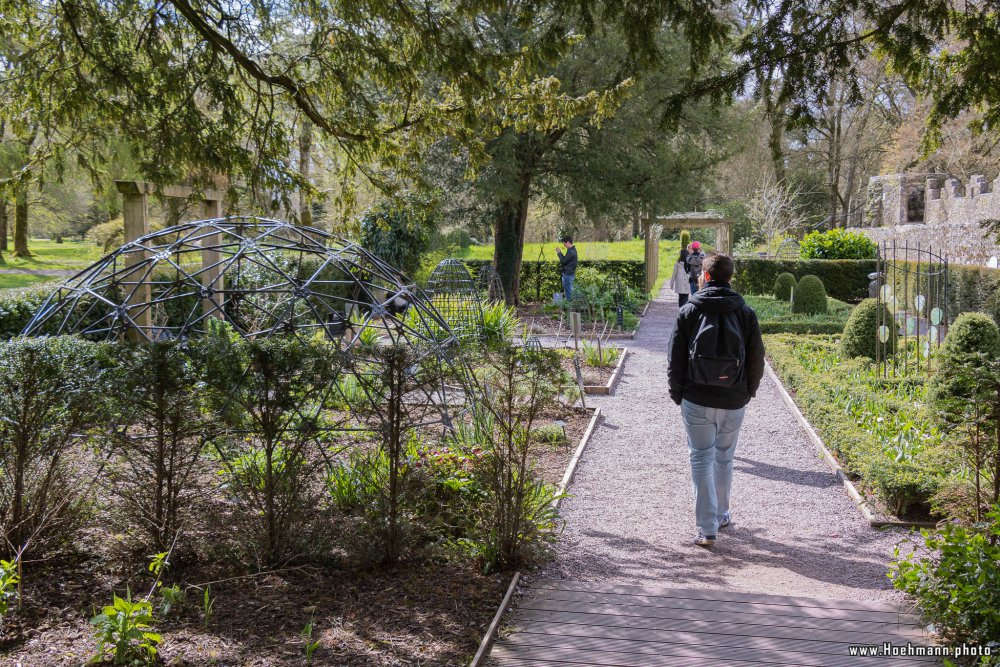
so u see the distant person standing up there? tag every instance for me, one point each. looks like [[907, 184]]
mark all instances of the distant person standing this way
[[694, 262], [716, 364], [567, 266], [679, 281]]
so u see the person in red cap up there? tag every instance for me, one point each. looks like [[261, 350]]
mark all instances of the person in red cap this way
[[693, 265]]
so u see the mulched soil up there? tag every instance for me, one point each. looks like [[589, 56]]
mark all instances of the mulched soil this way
[[430, 611], [591, 375], [541, 323]]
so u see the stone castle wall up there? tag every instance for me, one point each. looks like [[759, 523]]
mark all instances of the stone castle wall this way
[[934, 210]]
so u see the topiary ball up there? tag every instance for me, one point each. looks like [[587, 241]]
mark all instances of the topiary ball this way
[[972, 340], [809, 297], [861, 338], [783, 286]]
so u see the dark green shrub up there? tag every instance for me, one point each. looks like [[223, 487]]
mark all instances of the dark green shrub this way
[[685, 238], [152, 462], [809, 297], [539, 280], [861, 337], [18, 306], [269, 396], [957, 585], [837, 244], [783, 286], [49, 394], [399, 232], [846, 279], [972, 340]]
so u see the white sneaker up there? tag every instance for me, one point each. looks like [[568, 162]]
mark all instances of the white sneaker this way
[[703, 540]]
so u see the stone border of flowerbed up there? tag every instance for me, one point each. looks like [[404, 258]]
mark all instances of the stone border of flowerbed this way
[[838, 471], [487, 642], [605, 389]]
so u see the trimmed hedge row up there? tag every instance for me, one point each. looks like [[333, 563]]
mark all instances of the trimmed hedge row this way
[[539, 280], [800, 327], [845, 279], [18, 306], [900, 484]]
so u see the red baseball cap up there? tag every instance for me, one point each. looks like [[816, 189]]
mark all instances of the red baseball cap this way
[[696, 245]]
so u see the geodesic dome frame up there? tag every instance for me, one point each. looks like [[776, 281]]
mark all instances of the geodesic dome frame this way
[[455, 296], [265, 277], [490, 285]]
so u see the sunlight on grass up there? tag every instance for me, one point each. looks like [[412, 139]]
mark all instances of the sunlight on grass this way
[[46, 254], [11, 280]]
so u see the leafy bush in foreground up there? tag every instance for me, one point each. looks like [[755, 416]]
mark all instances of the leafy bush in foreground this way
[[783, 286], [837, 244]]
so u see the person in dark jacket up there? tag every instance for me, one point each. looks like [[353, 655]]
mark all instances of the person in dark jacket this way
[[713, 407], [567, 266]]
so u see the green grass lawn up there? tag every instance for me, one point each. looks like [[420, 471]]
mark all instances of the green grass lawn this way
[[633, 250], [9, 280], [68, 255]]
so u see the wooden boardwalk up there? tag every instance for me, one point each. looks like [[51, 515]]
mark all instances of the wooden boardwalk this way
[[562, 623]]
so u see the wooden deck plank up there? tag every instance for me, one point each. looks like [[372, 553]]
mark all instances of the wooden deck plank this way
[[706, 632], [526, 619], [894, 616], [601, 625], [719, 617], [707, 649], [507, 654], [709, 594]]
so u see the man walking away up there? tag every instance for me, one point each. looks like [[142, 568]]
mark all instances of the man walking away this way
[[694, 265], [716, 364], [567, 266]]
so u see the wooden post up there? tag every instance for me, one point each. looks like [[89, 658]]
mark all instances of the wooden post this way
[[575, 325], [135, 214], [211, 272], [650, 246]]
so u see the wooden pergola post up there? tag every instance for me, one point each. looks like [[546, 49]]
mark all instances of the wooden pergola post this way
[[211, 271], [136, 215]]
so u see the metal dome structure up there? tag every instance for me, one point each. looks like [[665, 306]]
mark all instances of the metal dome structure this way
[[454, 295], [264, 277], [490, 286]]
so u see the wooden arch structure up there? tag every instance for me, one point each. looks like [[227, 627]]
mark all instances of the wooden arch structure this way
[[652, 226]]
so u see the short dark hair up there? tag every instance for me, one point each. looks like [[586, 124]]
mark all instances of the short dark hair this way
[[719, 267], [566, 238]]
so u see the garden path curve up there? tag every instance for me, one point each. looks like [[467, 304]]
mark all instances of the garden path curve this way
[[630, 515]]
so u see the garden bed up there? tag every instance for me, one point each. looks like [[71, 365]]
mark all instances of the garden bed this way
[[880, 431], [777, 317]]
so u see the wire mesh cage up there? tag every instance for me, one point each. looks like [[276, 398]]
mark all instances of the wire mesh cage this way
[[490, 286], [912, 285], [264, 277], [456, 298]]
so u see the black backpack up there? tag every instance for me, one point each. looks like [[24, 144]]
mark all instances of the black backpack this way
[[694, 265], [717, 352]]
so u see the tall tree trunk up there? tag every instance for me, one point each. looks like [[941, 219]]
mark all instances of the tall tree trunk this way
[[21, 223], [776, 120], [3, 227], [635, 224], [305, 159], [509, 240]]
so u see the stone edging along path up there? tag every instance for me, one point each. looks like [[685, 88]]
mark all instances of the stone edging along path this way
[[491, 630]]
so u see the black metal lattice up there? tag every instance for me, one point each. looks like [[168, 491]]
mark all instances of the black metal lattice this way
[[455, 297], [913, 287], [490, 285], [265, 277]]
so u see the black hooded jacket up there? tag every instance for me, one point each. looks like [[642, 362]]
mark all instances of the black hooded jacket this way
[[715, 298]]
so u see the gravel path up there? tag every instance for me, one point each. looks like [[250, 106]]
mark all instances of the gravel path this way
[[630, 518]]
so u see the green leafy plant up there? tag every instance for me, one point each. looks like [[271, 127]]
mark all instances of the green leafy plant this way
[[310, 644], [783, 286], [399, 232], [207, 605], [955, 579], [499, 322], [837, 244], [861, 336], [809, 297], [8, 586], [600, 356], [171, 597], [972, 339], [125, 632], [685, 238]]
